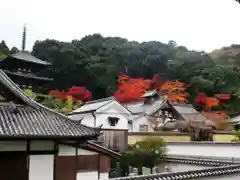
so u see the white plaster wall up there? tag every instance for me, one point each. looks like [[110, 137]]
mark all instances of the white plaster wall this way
[[87, 120], [13, 145], [41, 145], [66, 150], [102, 119], [104, 175], [86, 152], [204, 150], [141, 121], [113, 109], [41, 167], [87, 175]]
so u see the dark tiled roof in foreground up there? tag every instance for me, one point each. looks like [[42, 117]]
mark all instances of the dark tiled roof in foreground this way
[[195, 174], [32, 119]]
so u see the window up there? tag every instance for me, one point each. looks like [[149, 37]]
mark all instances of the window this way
[[143, 128], [113, 121]]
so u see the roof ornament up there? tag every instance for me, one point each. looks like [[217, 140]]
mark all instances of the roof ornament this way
[[24, 37], [13, 107]]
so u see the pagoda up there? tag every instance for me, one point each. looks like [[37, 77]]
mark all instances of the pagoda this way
[[23, 68]]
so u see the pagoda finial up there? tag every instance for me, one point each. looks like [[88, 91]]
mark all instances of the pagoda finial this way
[[24, 38]]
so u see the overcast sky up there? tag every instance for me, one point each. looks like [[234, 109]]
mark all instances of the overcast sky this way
[[197, 24]]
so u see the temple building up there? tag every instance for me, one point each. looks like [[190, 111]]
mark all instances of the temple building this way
[[23, 68]]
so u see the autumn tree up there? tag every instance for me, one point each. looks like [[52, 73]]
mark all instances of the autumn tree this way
[[214, 109], [131, 89], [175, 90], [149, 152]]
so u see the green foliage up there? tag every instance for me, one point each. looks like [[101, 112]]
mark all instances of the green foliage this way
[[237, 136], [95, 61], [57, 105], [149, 153]]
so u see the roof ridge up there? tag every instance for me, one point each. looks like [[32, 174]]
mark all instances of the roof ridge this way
[[11, 86], [26, 53], [100, 100]]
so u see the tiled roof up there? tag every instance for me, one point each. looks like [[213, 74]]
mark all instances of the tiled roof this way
[[149, 93], [102, 149], [217, 172], [27, 75], [31, 119], [185, 108], [26, 56], [148, 109], [93, 105]]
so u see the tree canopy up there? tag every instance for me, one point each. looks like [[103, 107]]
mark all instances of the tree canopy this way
[[95, 62]]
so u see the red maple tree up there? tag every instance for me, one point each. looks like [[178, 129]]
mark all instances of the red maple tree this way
[[78, 93], [207, 103], [132, 89]]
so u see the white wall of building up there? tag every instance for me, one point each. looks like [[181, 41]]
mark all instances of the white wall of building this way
[[112, 109], [141, 120], [104, 175], [204, 150], [41, 167], [87, 175]]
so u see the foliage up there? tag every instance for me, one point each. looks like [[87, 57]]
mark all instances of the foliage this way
[[149, 153], [176, 91], [78, 94], [95, 62], [132, 89], [64, 106]]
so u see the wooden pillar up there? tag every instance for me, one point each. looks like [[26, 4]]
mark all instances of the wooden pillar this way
[[76, 161], [99, 164], [28, 157]]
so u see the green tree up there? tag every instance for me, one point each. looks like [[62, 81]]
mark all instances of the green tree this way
[[149, 153]]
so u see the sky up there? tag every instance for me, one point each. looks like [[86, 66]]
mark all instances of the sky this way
[[196, 24]]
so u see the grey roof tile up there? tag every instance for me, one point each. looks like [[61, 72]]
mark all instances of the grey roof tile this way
[[32, 119], [26, 56]]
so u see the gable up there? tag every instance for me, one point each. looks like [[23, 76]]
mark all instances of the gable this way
[[114, 107]]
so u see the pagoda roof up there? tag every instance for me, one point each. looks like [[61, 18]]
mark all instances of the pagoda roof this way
[[26, 56], [31, 120], [27, 75]]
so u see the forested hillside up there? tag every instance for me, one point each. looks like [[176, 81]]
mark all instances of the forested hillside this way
[[96, 61]]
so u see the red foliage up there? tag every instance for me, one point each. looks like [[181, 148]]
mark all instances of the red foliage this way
[[200, 99], [59, 94], [223, 97], [77, 93], [132, 89], [80, 93], [209, 102], [176, 91], [212, 102], [122, 78]]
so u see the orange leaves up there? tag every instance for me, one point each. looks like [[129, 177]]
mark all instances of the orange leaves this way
[[131, 89], [77, 94], [176, 91], [209, 102], [122, 78], [212, 102]]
